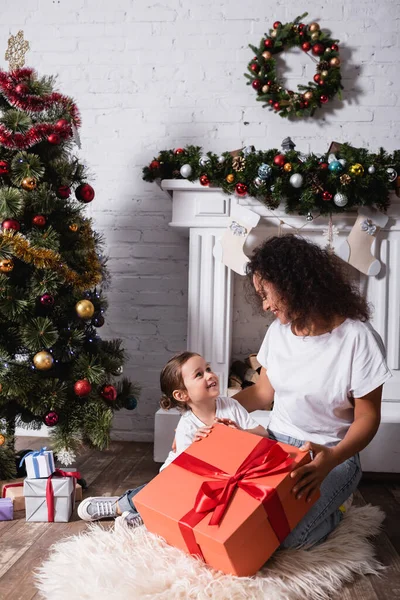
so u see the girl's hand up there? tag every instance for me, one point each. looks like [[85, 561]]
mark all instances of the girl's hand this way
[[227, 422], [201, 433], [308, 478]]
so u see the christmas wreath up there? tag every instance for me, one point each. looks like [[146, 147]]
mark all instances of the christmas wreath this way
[[342, 179], [263, 77]]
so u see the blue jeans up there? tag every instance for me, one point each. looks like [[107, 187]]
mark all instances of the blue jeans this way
[[324, 516], [125, 501]]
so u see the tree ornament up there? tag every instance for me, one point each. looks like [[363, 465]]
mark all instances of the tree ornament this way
[[317, 77], [39, 220], [238, 163], [204, 160], [85, 193], [277, 24], [82, 388], [318, 49], [324, 74], [258, 182], [73, 227], [280, 160], [2, 439], [335, 167], [276, 105], [4, 167], [63, 192], [340, 199], [308, 95], [47, 300], [22, 89], [61, 125], [241, 189], [266, 55], [306, 46], [109, 393], [269, 43], [296, 180], [265, 88], [255, 67], [66, 457], [324, 166], [264, 171], [324, 99], [6, 265], [315, 36], [392, 175], [186, 171], [309, 217], [287, 167], [345, 179], [371, 169], [51, 418], [273, 34], [357, 169], [11, 224], [98, 320], [256, 84], [43, 361], [221, 159], [313, 27], [179, 151], [230, 178], [204, 180], [326, 196], [29, 183], [154, 165], [84, 309], [131, 403], [335, 62], [54, 139]]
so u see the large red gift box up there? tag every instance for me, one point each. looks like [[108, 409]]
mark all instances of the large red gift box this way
[[227, 499]]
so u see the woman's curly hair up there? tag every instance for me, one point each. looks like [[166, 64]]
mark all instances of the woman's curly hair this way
[[309, 279], [171, 379]]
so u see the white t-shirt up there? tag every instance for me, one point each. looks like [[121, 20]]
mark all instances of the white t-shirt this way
[[226, 408], [315, 377]]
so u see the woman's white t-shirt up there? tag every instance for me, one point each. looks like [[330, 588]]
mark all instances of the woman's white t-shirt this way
[[226, 408], [315, 378]]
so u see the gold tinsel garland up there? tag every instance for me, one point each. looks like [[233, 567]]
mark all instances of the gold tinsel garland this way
[[42, 258]]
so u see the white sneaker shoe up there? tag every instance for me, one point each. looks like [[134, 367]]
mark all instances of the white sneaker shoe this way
[[100, 507], [128, 520]]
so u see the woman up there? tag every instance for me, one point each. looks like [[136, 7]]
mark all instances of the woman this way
[[323, 366]]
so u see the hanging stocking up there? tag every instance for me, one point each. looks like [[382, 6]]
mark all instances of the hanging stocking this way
[[356, 250], [229, 249]]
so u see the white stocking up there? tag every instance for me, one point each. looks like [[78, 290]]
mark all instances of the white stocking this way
[[229, 249]]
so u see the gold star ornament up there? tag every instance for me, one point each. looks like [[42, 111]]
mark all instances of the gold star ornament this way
[[17, 48]]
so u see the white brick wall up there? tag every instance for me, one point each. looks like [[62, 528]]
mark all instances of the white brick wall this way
[[149, 75]]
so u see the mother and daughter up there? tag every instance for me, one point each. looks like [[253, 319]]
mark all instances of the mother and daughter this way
[[323, 368]]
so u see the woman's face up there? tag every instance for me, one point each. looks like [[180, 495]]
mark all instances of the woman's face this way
[[271, 300]]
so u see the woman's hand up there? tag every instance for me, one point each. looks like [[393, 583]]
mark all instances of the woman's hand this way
[[227, 422], [308, 478], [202, 433]]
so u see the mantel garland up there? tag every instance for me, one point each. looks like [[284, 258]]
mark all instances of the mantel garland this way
[[325, 184], [262, 72]]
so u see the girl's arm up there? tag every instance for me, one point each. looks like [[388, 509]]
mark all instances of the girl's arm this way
[[258, 396]]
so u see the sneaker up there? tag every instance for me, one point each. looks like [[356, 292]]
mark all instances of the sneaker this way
[[100, 507], [346, 505], [128, 520]]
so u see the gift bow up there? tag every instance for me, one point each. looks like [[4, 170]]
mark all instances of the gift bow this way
[[34, 454], [50, 491], [267, 458]]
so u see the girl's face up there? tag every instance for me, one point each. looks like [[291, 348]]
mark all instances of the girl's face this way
[[271, 300], [200, 381]]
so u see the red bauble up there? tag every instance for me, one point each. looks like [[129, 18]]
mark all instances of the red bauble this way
[[269, 82], [280, 160], [270, 101], [269, 43], [51, 418], [54, 139], [306, 103], [39, 220], [324, 166], [301, 26], [84, 192], [47, 300], [241, 189], [22, 88], [324, 99], [317, 78], [63, 192], [154, 165], [306, 46], [204, 180], [4, 167], [61, 125], [109, 393], [11, 224], [276, 106], [82, 387], [277, 24], [326, 196], [318, 49], [179, 151], [255, 67], [335, 47], [256, 84]]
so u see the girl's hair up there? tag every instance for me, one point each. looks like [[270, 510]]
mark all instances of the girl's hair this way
[[171, 380], [310, 280]]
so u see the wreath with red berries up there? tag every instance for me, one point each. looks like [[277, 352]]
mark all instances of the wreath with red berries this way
[[319, 46]]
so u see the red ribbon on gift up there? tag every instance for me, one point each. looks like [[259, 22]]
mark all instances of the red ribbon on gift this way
[[50, 491], [267, 458], [11, 485]]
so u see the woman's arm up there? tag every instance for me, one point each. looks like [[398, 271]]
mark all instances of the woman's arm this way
[[258, 396]]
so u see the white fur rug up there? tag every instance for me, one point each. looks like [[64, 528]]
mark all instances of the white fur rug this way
[[132, 563]]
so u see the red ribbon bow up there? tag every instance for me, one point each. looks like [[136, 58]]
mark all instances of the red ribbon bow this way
[[267, 458], [50, 491]]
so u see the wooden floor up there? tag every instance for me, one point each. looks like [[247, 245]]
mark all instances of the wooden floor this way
[[24, 546]]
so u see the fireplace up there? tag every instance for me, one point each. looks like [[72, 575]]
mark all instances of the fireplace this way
[[202, 214]]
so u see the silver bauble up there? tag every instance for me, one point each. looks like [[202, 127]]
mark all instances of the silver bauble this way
[[204, 160], [371, 170], [391, 174], [331, 158], [186, 171], [296, 180], [309, 217], [258, 182], [340, 199], [221, 159]]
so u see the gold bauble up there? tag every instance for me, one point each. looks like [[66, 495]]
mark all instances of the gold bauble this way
[[43, 360], [273, 33], [267, 55], [313, 27], [335, 62], [345, 179], [84, 309], [2, 439], [74, 227], [230, 178], [6, 265], [287, 167], [324, 73], [29, 183], [308, 96], [265, 89], [357, 169], [328, 50], [315, 36]]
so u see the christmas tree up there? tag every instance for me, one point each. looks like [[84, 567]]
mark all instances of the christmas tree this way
[[54, 367]]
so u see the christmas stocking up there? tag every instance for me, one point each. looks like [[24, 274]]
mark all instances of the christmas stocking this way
[[229, 249], [356, 250]]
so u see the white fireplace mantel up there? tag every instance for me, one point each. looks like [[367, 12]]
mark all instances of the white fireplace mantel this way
[[203, 213]]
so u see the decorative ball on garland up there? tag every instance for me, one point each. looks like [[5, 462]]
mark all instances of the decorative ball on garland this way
[[82, 388], [326, 196], [264, 171], [280, 160], [6, 265], [392, 175], [63, 192], [296, 180], [51, 418], [61, 125], [43, 361], [179, 151], [340, 199], [2, 439], [345, 179], [84, 192], [39, 220], [356, 170], [47, 300], [131, 403], [54, 139], [98, 320], [84, 309], [154, 165], [230, 178], [109, 393], [73, 227], [241, 189], [29, 183], [371, 170], [11, 224], [204, 180], [335, 167], [186, 171], [4, 167], [263, 66]]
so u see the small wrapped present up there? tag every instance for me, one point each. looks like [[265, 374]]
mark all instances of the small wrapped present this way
[[39, 463], [227, 499], [14, 491], [52, 499], [6, 509]]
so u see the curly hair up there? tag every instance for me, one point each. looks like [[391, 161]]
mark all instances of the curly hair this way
[[309, 279], [171, 379]]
